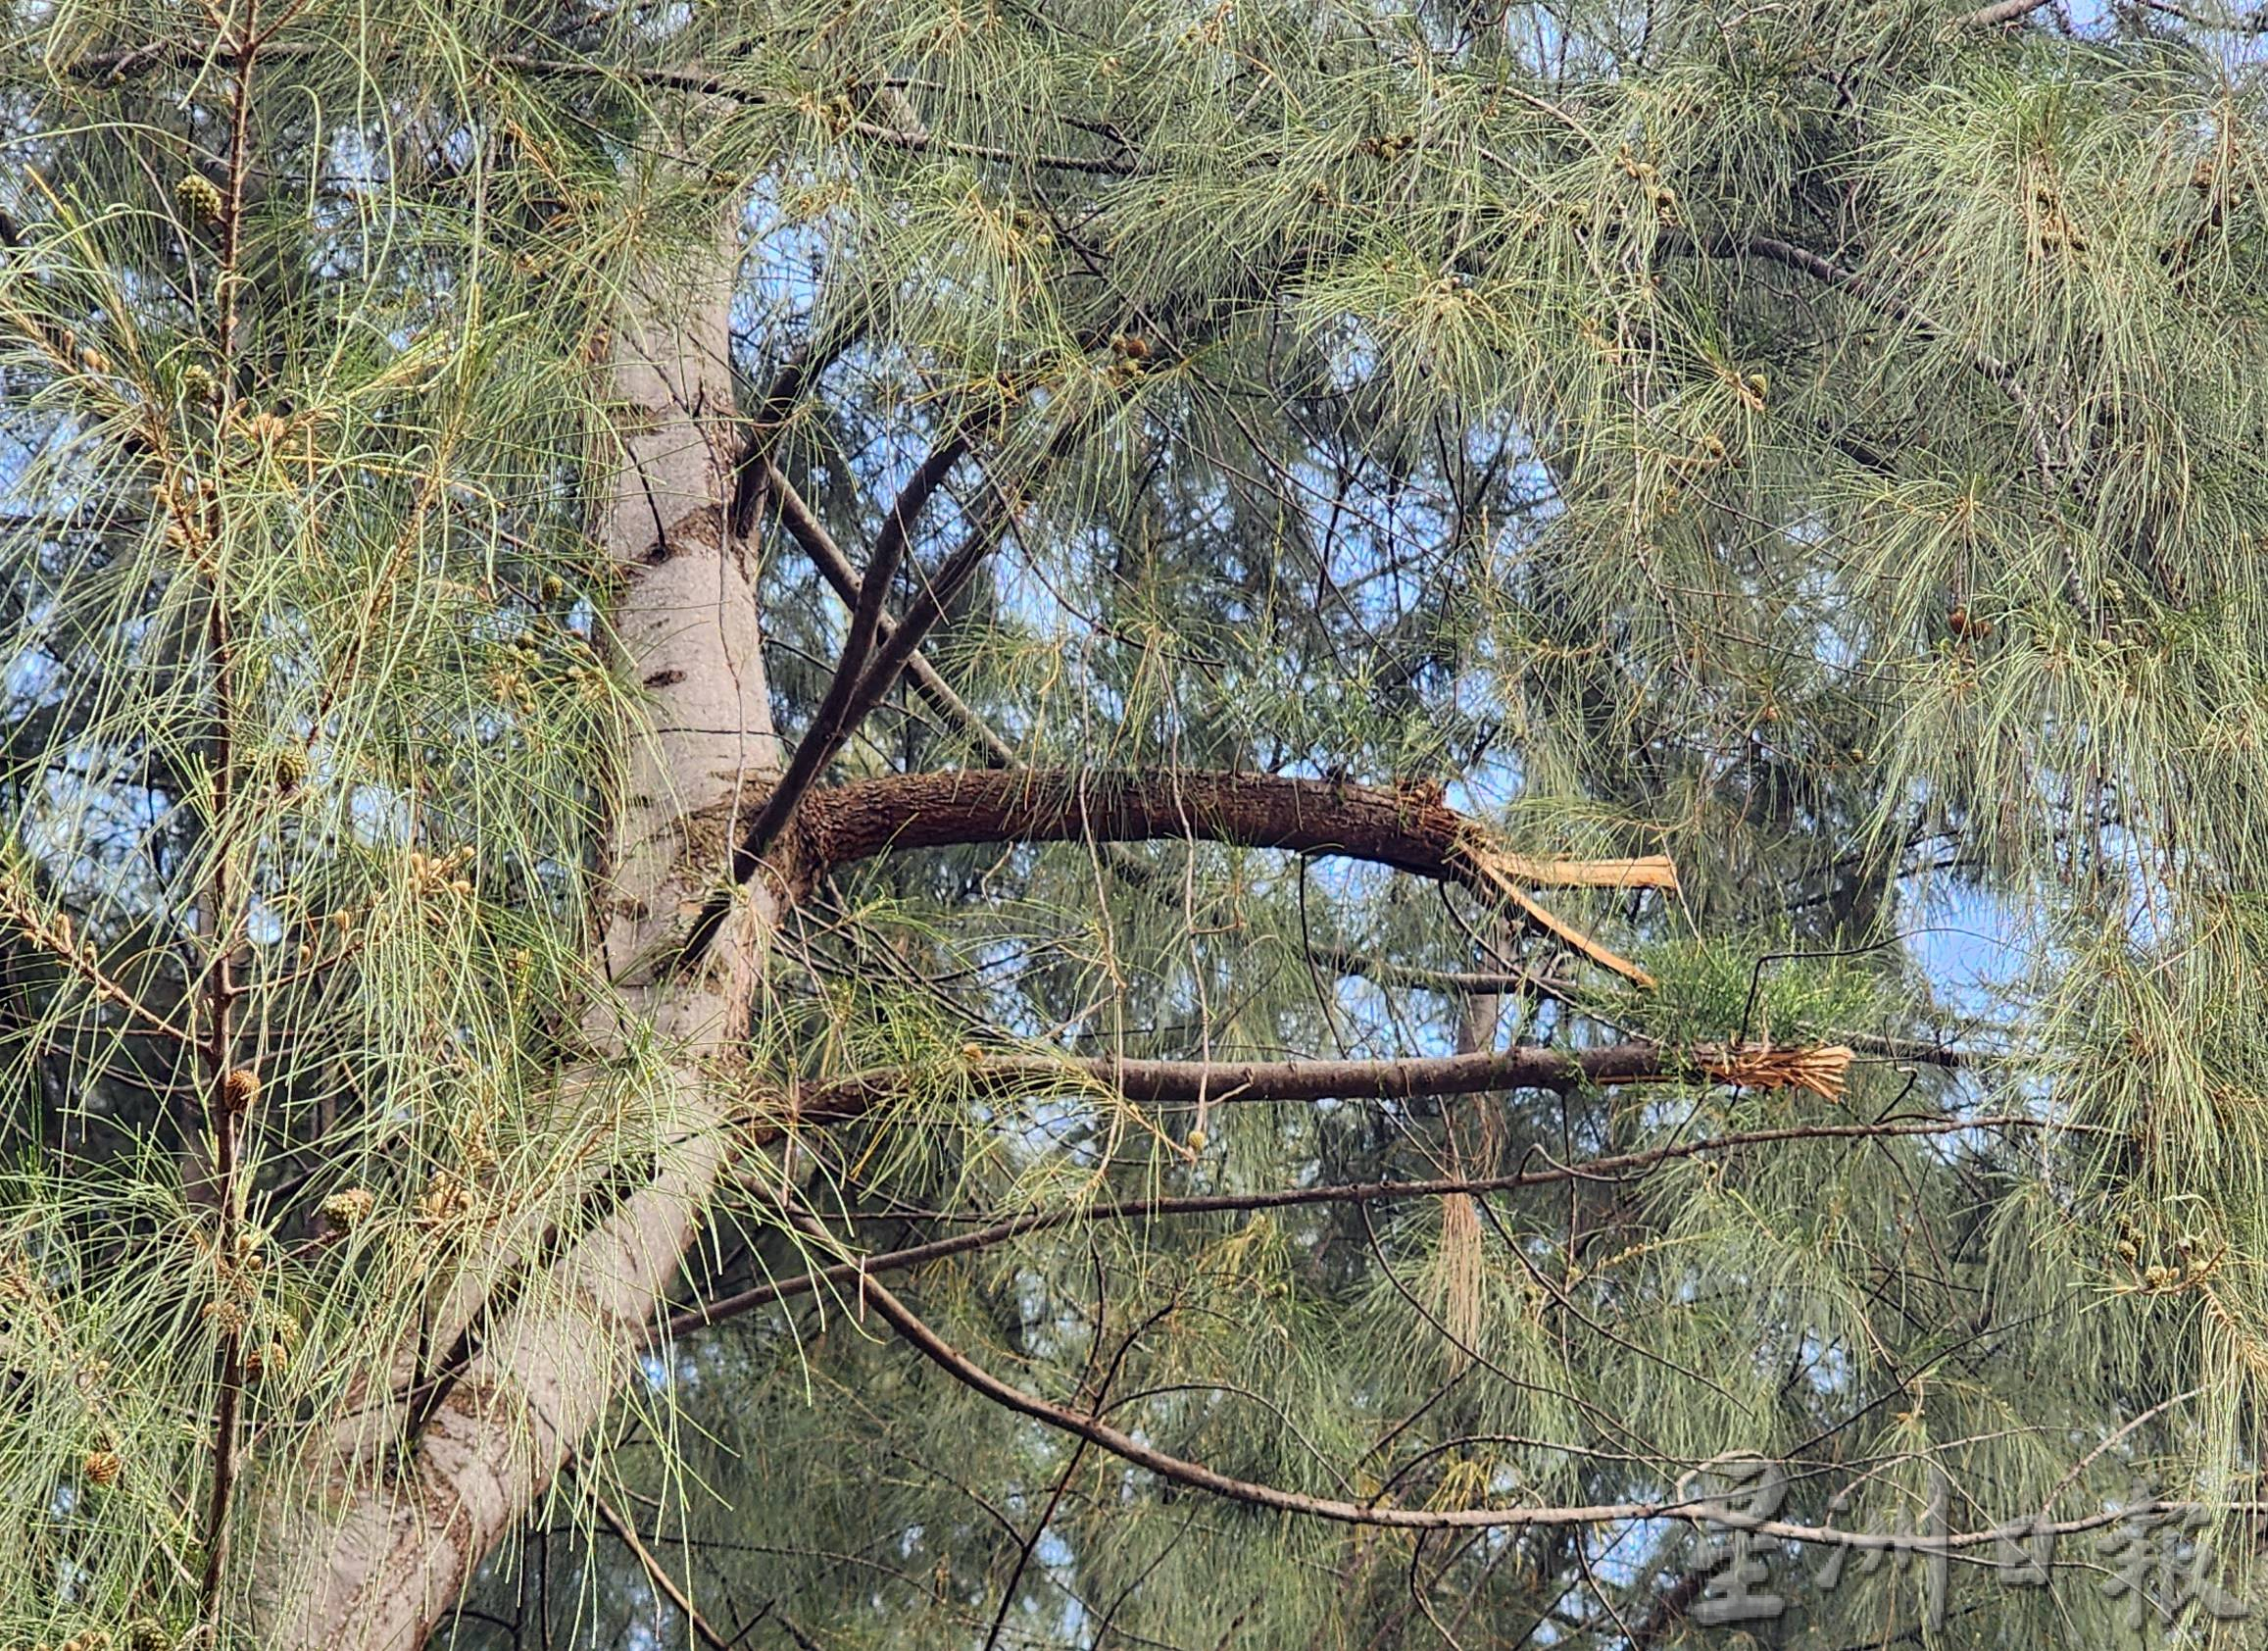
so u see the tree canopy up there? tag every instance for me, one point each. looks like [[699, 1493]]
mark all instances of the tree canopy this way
[[905, 822]]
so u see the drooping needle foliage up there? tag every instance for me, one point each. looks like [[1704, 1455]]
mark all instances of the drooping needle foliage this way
[[1381, 486]]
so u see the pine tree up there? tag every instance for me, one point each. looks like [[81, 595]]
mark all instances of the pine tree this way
[[915, 822]]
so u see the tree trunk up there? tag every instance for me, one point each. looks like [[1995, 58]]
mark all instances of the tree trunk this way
[[380, 1550]]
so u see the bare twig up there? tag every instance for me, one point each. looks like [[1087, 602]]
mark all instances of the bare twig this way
[[663, 1580], [1620, 1165], [1699, 1510], [817, 544], [116, 66]]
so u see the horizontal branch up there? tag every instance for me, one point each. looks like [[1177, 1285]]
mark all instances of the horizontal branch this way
[[1449, 983], [1409, 829], [1818, 1069], [120, 64], [1188, 1083], [1618, 1167], [1513, 982]]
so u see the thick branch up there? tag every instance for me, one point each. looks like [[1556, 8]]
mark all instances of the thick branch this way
[[1817, 1068], [1759, 1066], [1187, 1082], [1410, 828]]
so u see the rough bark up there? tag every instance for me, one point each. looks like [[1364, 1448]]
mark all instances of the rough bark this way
[[378, 1553], [1188, 1083], [1812, 1067], [1409, 828]]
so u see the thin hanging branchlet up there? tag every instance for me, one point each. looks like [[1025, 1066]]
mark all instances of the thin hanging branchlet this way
[[230, 1091]]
